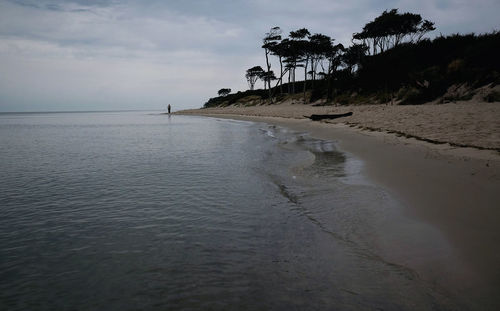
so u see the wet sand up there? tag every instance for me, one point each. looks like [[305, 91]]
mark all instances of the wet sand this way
[[454, 189], [468, 123]]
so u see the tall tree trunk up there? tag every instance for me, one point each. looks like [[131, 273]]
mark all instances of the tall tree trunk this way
[[268, 67], [305, 79], [269, 89], [313, 73], [275, 88], [329, 87], [289, 80], [281, 74]]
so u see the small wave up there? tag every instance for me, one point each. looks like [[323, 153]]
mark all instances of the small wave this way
[[268, 133]]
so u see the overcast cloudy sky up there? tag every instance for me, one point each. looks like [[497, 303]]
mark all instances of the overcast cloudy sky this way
[[113, 54]]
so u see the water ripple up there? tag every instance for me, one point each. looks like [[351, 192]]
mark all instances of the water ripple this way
[[138, 211]]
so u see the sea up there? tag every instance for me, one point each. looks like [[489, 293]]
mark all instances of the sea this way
[[141, 210]]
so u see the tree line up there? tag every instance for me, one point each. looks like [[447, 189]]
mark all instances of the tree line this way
[[389, 57], [320, 58]]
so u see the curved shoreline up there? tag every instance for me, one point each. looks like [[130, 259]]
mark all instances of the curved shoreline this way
[[461, 124], [454, 189]]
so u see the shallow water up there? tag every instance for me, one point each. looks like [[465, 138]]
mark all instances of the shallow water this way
[[135, 210]]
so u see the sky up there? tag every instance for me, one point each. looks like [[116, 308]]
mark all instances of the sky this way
[[88, 55]]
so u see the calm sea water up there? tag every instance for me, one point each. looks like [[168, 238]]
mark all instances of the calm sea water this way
[[136, 210]]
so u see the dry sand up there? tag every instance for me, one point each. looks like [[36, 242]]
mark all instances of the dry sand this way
[[466, 123], [453, 188]]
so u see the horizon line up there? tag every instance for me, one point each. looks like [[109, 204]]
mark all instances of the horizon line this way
[[78, 111]]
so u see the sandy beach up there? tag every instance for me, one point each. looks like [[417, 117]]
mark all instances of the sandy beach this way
[[463, 123], [419, 154]]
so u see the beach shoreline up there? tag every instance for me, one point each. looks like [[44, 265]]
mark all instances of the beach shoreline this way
[[454, 189], [460, 124]]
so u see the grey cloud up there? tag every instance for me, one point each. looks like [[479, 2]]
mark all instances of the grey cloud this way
[[120, 27], [107, 53]]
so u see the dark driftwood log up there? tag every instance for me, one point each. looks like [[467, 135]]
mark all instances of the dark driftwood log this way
[[317, 117]]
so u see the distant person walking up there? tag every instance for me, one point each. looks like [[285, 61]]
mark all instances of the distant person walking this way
[[169, 108]]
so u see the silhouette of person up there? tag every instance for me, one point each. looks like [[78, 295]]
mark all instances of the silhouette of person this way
[[168, 108]]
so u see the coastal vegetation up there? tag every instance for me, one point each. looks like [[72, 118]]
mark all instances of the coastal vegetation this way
[[389, 61], [224, 92]]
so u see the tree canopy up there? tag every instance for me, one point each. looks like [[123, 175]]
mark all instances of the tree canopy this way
[[331, 66], [391, 29], [224, 92], [253, 74], [403, 69]]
